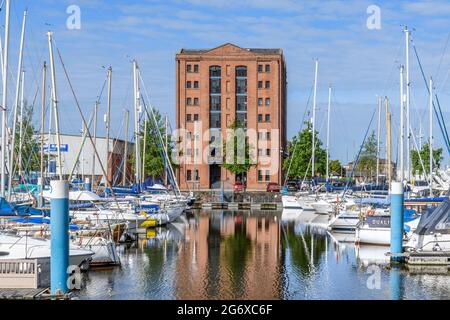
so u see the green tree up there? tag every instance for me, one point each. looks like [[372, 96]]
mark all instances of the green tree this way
[[239, 160], [367, 163], [301, 157], [154, 165], [425, 156], [336, 168], [31, 145]]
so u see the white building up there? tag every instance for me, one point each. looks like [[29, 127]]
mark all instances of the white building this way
[[78, 158]]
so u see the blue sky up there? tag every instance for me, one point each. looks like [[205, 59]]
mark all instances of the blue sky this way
[[358, 62]]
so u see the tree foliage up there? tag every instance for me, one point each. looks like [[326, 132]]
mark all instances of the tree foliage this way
[[301, 157], [154, 165], [425, 156], [239, 160], [367, 163], [336, 168], [31, 145]]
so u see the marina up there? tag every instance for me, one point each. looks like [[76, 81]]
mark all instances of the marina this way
[[113, 189]]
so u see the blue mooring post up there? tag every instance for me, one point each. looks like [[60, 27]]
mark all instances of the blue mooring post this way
[[59, 224], [87, 184], [397, 210]]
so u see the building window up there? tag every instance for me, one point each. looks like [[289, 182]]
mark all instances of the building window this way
[[260, 118], [196, 68], [215, 86], [189, 84], [241, 85], [189, 152], [260, 84], [241, 72], [195, 117], [215, 96], [259, 152], [267, 67], [267, 175], [260, 101], [196, 176], [188, 175], [268, 136], [267, 117], [241, 103], [195, 84], [189, 101], [188, 135], [241, 96], [189, 68], [215, 71], [195, 101], [267, 84], [188, 117], [267, 101], [214, 120], [260, 176], [241, 119], [260, 68], [267, 152], [214, 103], [260, 136]]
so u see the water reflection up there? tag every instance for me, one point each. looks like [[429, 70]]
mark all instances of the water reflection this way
[[255, 255]]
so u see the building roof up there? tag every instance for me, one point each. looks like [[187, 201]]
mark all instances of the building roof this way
[[262, 51]]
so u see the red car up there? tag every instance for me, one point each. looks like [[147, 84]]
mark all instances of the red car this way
[[273, 187], [239, 186]]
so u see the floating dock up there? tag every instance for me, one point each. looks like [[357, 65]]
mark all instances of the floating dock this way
[[234, 206]]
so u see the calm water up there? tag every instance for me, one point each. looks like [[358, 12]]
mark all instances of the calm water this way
[[257, 255]]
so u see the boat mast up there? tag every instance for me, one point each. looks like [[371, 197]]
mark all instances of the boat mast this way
[[95, 143], [55, 104], [5, 98], [408, 113], [314, 121], [108, 123], [167, 150], [16, 106], [21, 122], [44, 77], [125, 156], [378, 139], [402, 129], [431, 137], [144, 147], [136, 124], [328, 132], [388, 142]]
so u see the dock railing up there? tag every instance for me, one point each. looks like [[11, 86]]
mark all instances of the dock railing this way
[[19, 273]]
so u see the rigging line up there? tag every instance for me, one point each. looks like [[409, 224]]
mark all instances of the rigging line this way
[[442, 58], [440, 119], [85, 124], [301, 126], [355, 163], [442, 86], [394, 64]]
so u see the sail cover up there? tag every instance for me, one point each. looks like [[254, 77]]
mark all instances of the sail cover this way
[[435, 221]]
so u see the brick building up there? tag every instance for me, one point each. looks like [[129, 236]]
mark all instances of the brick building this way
[[216, 88]]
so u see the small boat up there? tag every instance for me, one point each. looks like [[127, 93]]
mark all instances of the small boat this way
[[347, 221], [290, 202], [433, 230], [376, 229], [105, 252], [16, 247]]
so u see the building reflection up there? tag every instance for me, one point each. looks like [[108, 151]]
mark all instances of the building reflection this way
[[229, 256]]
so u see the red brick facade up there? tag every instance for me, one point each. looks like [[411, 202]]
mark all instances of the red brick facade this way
[[262, 82]]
